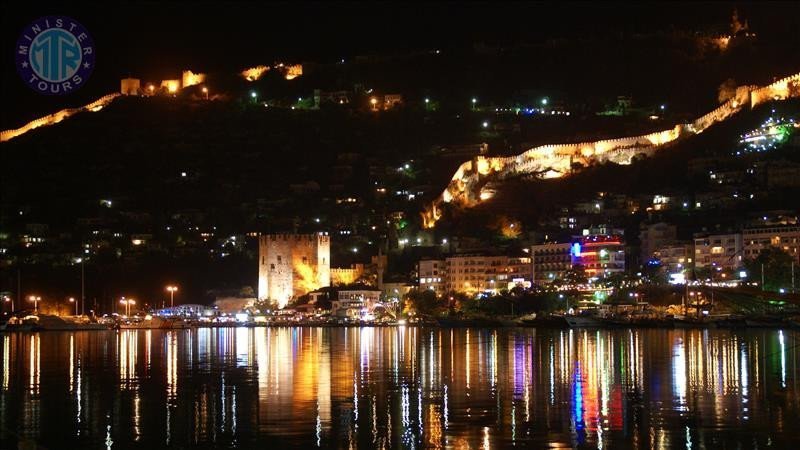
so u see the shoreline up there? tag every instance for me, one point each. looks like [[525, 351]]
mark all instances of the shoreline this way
[[553, 323]]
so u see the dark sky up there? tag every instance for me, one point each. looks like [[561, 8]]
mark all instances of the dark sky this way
[[158, 40]]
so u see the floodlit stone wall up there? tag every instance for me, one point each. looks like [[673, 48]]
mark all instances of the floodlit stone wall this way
[[553, 161], [189, 78], [130, 86], [780, 90], [56, 117]]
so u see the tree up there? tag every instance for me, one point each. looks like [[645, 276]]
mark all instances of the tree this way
[[777, 265], [424, 302]]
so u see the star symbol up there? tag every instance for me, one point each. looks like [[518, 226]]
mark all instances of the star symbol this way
[[24, 64], [86, 65]]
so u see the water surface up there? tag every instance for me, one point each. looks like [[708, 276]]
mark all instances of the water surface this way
[[401, 388]]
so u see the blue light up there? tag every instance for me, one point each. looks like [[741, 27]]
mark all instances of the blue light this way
[[576, 250]]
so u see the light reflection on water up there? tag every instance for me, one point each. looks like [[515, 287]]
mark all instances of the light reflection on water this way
[[401, 387]]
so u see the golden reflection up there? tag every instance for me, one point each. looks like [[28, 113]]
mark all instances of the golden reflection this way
[[137, 416], [71, 360], [6, 361], [148, 348], [172, 364], [398, 387], [127, 344], [679, 372], [34, 360]]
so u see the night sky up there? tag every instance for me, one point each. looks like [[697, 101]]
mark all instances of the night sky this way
[[156, 41]]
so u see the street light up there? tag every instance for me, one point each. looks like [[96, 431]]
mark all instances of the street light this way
[[374, 102], [35, 299], [172, 290], [127, 303], [8, 299], [253, 95], [205, 91], [72, 300], [474, 101]]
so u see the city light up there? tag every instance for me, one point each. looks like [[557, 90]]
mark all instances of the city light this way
[[128, 302], [35, 299], [172, 290]]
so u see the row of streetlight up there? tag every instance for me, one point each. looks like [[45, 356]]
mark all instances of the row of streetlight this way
[[124, 301]]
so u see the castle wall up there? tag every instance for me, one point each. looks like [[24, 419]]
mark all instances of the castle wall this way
[[553, 161], [129, 86], [52, 119], [780, 90], [189, 78]]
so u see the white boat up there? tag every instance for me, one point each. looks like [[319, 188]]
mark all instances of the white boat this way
[[154, 322], [43, 322], [582, 320]]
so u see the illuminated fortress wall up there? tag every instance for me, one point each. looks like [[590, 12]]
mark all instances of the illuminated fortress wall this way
[[780, 90], [466, 187], [189, 78], [56, 117], [291, 265]]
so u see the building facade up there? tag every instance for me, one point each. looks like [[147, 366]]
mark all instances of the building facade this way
[[675, 258], [432, 275], [355, 304], [518, 272], [290, 265], [599, 254], [550, 261], [475, 273], [784, 237], [655, 236], [722, 251]]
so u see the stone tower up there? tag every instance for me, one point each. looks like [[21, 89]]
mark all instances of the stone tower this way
[[290, 265]]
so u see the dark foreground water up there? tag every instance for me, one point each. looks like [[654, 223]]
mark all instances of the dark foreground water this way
[[401, 388]]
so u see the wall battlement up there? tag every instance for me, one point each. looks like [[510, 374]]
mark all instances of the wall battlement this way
[[556, 160], [56, 117]]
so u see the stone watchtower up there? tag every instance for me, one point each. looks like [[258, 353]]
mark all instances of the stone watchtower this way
[[290, 265]]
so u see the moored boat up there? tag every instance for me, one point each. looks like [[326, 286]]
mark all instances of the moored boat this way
[[154, 322], [764, 322], [582, 320]]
